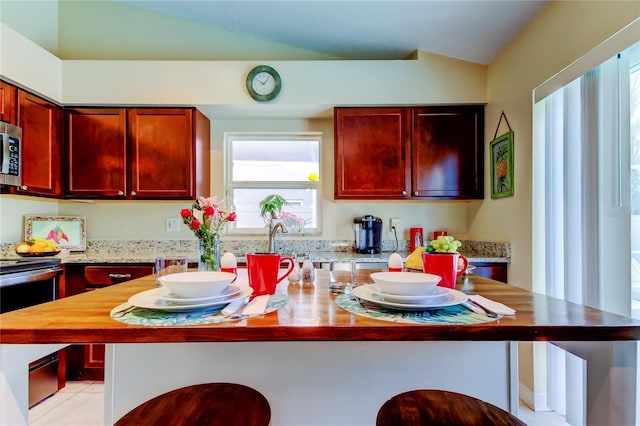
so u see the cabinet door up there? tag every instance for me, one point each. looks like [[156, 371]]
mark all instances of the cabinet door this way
[[447, 152], [41, 139], [372, 152], [162, 153], [8, 103], [96, 153]]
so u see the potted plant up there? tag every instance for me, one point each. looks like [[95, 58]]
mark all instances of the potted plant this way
[[271, 206]]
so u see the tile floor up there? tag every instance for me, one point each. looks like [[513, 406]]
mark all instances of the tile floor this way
[[81, 404]]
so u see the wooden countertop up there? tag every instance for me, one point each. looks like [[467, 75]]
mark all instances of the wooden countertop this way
[[311, 315]]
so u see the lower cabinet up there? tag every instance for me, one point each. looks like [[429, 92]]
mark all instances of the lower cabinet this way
[[86, 362], [495, 271]]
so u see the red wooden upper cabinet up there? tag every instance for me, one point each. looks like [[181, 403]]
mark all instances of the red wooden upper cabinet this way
[[96, 153], [41, 140], [447, 152], [8, 103], [138, 153], [409, 152], [372, 152]]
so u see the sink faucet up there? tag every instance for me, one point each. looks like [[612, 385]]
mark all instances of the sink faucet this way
[[273, 228]]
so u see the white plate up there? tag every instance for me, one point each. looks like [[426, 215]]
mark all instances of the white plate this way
[[227, 293], [152, 299], [454, 297], [437, 294]]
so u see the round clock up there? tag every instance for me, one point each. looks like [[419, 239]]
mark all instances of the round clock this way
[[263, 83]]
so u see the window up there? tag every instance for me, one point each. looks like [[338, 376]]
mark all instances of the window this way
[[258, 165]]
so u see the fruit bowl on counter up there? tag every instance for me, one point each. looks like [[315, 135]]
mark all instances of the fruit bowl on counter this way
[[37, 247]]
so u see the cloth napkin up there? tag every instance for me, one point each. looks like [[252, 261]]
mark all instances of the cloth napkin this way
[[496, 307], [257, 306]]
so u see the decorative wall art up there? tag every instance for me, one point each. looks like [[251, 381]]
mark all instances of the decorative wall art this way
[[69, 232], [501, 161]]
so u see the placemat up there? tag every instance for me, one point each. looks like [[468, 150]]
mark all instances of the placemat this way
[[152, 317], [449, 315]]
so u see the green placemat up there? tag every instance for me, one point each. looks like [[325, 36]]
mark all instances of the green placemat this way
[[449, 315], [152, 317]]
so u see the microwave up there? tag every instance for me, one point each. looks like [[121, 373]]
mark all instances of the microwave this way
[[10, 154]]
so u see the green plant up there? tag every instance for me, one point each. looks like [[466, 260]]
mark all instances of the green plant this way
[[271, 205]]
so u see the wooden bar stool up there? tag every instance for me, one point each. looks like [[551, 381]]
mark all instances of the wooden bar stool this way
[[214, 404], [441, 408]]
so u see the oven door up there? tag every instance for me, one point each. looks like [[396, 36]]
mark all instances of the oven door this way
[[22, 289]]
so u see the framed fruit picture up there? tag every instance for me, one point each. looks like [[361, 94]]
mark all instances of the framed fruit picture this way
[[502, 166], [68, 232]]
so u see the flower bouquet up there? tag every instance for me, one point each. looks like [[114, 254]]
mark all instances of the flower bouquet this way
[[206, 219]]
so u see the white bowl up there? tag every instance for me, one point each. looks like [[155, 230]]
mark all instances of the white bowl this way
[[405, 283], [193, 285]]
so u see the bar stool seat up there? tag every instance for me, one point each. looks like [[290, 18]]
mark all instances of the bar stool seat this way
[[214, 404], [442, 408]]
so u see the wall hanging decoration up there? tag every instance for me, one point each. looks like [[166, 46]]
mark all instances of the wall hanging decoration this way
[[501, 160], [68, 232]]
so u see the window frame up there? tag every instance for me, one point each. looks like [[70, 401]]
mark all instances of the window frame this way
[[229, 185]]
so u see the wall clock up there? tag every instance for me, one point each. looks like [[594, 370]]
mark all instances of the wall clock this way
[[263, 83]]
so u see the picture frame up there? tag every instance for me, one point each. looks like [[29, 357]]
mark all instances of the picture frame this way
[[501, 161], [69, 232]]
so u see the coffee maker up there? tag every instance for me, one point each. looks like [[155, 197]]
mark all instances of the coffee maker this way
[[368, 230]]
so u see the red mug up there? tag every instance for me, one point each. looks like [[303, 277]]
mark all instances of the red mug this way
[[449, 266], [263, 269]]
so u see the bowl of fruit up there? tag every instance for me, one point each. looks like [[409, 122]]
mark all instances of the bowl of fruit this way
[[36, 247]]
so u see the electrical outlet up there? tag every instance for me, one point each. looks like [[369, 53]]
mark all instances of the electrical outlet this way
[[172, 224], [394, 222]]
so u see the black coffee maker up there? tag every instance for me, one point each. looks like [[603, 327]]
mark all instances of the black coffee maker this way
[[368, 230]]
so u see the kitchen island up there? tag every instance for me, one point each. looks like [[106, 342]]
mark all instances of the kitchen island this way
[[319, 364]]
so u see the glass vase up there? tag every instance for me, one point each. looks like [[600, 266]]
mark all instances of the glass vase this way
[[209, 253]]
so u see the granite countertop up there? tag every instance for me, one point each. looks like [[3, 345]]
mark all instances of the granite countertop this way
[[322, 251]]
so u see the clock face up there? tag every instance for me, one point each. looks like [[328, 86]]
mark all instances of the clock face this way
[[263, 83]]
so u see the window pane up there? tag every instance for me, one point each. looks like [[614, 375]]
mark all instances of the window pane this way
[[303, 207], [274, 160]]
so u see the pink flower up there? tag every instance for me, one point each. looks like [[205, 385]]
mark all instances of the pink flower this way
[[205, 217]]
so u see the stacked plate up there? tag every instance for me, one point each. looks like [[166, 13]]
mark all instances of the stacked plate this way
[[162, 299], [438, 297]]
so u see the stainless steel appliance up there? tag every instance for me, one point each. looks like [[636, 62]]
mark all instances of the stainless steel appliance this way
[[27, 282], [368, 230], [10, 154]]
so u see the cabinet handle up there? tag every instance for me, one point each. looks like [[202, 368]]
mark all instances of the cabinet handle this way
[[24, 187], [120, 193], [415, 193], [119, 276], [403, 193], [133, 193]]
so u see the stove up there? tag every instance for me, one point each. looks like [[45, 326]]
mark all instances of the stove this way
[[26, 282]]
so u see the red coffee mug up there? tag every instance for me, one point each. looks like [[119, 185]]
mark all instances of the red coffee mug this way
[[263, 268], [445, 265]]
